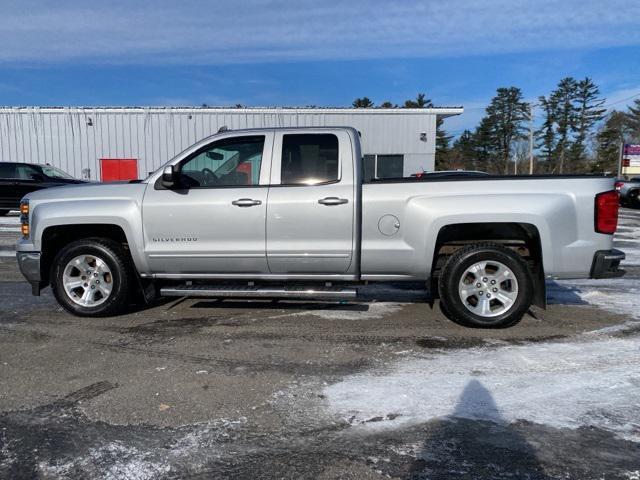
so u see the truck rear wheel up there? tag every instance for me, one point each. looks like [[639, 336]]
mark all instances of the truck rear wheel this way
[[486, 285], [89, 278]]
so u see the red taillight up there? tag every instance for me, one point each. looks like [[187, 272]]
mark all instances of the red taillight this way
[[606, 210], [618, 186]]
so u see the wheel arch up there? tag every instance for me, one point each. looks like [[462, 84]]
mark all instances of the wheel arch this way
[[523, 238], [55, 237]]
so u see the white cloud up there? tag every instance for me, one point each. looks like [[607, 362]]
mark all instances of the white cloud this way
[[264, 30]]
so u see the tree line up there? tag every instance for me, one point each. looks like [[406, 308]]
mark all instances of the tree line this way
[[566, 131]]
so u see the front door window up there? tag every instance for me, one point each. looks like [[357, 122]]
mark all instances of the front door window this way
[[230, 163]]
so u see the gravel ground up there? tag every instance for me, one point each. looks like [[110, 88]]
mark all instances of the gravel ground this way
[[385, 388]]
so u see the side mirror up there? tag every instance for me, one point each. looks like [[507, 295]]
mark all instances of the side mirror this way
[[169, 177], [38, 177]]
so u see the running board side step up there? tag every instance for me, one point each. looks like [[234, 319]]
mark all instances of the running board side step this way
[[337, 293]]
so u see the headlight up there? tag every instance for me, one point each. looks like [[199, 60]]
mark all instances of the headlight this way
[[24, 218]]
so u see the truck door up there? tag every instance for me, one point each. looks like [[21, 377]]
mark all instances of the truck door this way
[[310, 213], [214, 222]]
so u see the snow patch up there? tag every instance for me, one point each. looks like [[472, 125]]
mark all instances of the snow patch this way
[[119, 459], [617, 295], [559, 384], [357, 312]]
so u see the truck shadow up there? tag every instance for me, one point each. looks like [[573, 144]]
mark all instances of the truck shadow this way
[[558, 294], [392, 292], [279, 305], [476, 442]]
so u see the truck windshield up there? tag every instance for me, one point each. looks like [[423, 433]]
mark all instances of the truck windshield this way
[[53, 172]]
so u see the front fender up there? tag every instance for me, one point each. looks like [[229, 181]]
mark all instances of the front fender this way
[[122, 212]]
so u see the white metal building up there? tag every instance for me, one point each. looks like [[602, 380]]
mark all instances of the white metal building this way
[[80, 140]]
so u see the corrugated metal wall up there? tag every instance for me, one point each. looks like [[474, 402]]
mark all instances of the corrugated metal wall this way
[[74, 139]]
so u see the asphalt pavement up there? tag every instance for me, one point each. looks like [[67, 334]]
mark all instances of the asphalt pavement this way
[[383, 388]]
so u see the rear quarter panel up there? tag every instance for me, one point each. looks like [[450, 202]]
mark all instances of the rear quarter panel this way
[[562, 210]]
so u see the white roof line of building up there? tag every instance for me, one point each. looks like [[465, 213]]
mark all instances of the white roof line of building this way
[[441, 111]]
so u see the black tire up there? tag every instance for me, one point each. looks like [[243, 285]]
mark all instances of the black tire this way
[[116, 259], [3, 213], [456, 266]]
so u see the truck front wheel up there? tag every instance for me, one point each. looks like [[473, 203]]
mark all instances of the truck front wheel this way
[[89, 278], [486, 285]]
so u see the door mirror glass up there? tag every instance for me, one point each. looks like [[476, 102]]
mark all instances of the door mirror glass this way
[[169, 177]]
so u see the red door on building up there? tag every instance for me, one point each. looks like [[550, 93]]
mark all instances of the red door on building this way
[[116, 169]]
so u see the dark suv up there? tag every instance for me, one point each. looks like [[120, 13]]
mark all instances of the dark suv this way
[[18, 179]]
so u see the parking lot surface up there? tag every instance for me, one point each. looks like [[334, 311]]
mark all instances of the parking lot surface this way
[[383, 388]]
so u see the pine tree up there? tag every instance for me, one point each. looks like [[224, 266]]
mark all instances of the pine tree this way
[[546, 135], [566, 111], [632, 120], [421, 101], [387, 104], [364, 102], [615, 131], [589, 111], [506, 115], [463, 151], [484, 146], [442, 146]]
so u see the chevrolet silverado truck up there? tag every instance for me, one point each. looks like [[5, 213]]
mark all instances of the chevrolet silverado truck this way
[[287, 213]]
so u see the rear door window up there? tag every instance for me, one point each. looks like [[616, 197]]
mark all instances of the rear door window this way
[[309, 159]]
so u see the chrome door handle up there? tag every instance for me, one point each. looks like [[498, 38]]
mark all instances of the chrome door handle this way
[[333, 201], [246, 202]]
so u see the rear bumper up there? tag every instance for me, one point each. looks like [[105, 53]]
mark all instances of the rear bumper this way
[[606, 264], [29, 263]]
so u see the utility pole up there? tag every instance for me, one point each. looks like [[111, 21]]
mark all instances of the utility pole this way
[[531, 139], [620, 157]]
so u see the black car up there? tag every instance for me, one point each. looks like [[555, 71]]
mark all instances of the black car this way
[[629, 191], [18, 179]]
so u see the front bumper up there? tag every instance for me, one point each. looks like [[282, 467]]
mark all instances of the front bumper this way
[[606, 264], [29, 263]]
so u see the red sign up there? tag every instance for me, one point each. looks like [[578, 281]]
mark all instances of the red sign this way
[[116, 169]]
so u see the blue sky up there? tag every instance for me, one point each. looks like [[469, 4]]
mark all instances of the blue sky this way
[[271, 52]]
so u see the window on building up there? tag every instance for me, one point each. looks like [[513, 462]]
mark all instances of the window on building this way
[[383, 166], [390, 166], [229, 163], [369, 165], [309, 159]]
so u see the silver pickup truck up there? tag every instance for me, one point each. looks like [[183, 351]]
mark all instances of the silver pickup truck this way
[[287, 213]]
